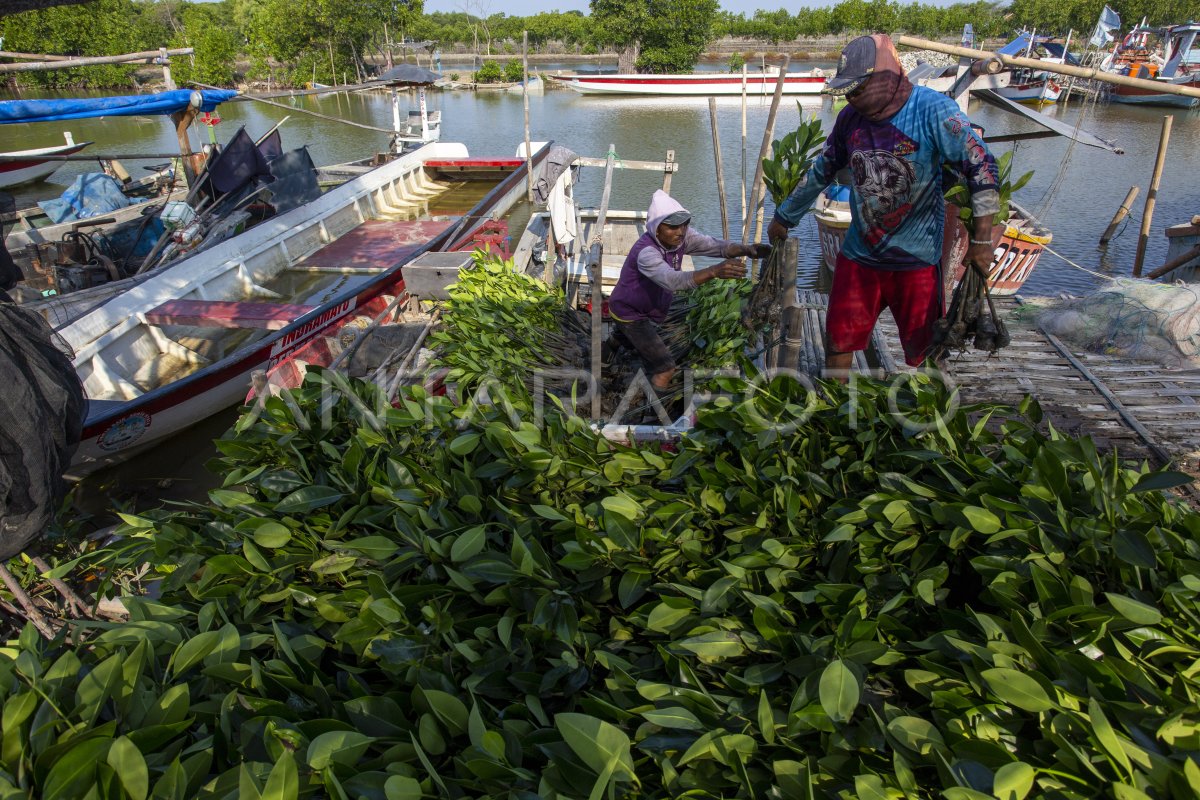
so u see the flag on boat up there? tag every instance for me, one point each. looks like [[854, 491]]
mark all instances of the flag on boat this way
[[1109, 21]]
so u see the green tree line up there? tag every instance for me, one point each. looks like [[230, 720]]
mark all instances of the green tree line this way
[[292, 43]]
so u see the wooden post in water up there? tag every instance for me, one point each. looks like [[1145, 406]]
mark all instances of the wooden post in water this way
[[1152, 195], [525, 99], [716, 137], [1126, 204]]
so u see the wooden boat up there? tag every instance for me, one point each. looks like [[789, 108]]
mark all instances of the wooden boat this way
[[696, 84], [557, 243], [1032, 87], [32, 165], [1018, 245], [536, 251], [181, 345], [1180, 65]]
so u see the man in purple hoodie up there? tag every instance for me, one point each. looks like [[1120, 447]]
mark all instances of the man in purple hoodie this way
[[651, 275]]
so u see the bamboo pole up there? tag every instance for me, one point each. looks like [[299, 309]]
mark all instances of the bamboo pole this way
[[525, 99], [1152, 195], [5, 157], [1091, 73], [33, 56], [743, 143], [1126, 204], [597, 279], [716, 137], [149, 56], [768, 132]]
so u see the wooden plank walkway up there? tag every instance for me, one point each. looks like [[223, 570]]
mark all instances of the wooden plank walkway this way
[[1142, 409]]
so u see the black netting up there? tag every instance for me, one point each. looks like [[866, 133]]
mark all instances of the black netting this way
[[41, 417]]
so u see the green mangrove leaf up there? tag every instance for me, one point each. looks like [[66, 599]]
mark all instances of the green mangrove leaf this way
[[1134, 610], [272, 535], [715, 645], [307, 499], [600, 745], [674, 717], [916, 734], [129, 764], [283, 783], [337, 747], [1017, 689], [839, 691], [1013, 781], [402, 787]]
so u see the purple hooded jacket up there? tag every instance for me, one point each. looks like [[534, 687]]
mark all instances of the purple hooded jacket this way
[[651, 273]]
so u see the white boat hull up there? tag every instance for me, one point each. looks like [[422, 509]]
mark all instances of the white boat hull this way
[[1046, 91], [703, 85], [33, 165]]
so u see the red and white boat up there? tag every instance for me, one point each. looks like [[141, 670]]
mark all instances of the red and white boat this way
[[181, 345], [696, 85], [28, 166], [1036, 87]]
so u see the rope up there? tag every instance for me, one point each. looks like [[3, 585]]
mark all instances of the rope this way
[[1053, 252], [1059, 177]]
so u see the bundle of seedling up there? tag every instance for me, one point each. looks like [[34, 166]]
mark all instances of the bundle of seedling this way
[[504, 329], [972, 318], [791, 158], [858, 593]]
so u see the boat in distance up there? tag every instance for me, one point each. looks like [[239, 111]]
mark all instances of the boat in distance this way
[[696, 85]]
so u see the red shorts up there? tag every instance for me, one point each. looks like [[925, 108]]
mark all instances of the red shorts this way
[[859, 296]]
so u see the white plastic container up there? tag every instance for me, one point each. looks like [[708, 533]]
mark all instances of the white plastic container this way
[[177, 214]]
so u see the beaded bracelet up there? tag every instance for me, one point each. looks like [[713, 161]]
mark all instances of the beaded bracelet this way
[[981, 241]]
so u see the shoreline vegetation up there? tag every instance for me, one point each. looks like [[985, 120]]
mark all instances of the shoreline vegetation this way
[[345, 41]]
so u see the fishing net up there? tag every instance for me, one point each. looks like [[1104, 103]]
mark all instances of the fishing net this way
[[41, 416], [1137, 319]]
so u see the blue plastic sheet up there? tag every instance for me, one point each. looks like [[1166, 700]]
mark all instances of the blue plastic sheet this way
[[93, 194], [125, 106]]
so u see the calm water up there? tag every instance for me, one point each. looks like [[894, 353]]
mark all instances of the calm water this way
[[1075, 189]]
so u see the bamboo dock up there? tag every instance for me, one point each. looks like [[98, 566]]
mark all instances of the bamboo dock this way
[[1143, 410]]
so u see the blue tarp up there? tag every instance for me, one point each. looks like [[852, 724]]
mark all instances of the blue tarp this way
[[93, 194], [126, 106], [1017, 46]]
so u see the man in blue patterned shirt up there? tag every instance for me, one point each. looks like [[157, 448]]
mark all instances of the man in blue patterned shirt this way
[[894, 138]]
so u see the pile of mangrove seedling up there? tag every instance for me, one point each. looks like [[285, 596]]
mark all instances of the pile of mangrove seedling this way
[[504, 328], [792, 157], [972, 319], [813, 597]]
